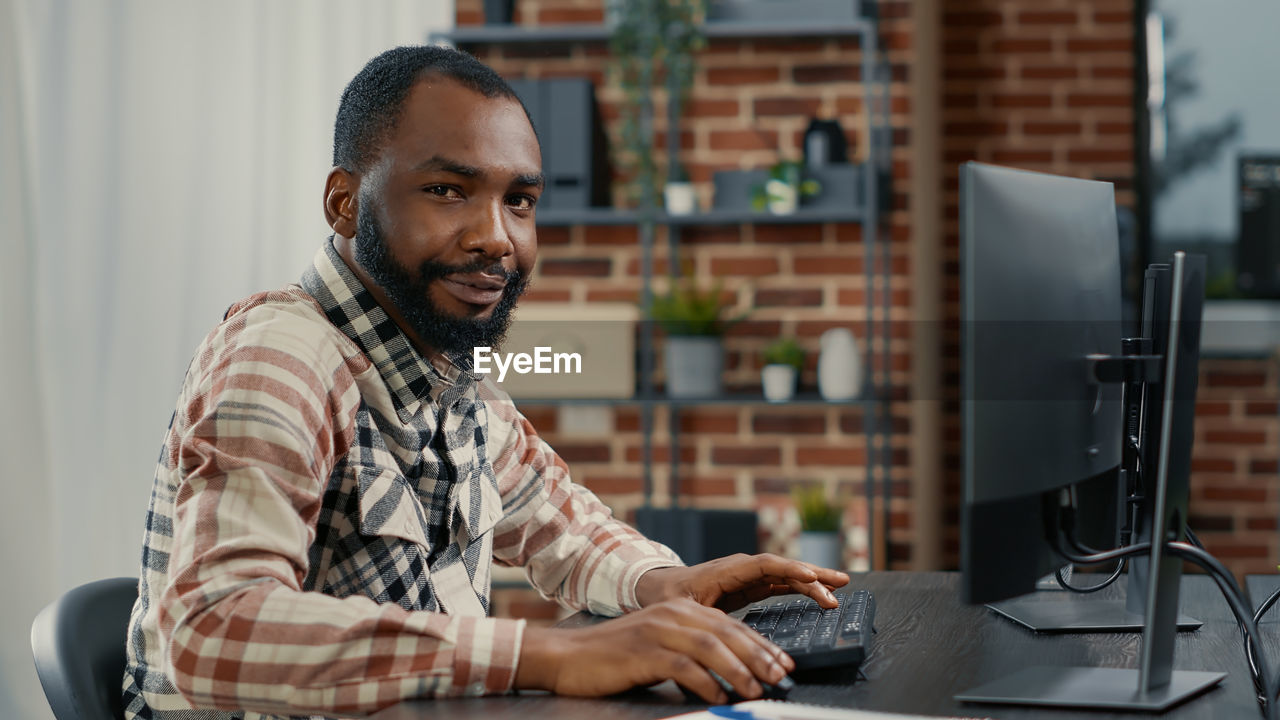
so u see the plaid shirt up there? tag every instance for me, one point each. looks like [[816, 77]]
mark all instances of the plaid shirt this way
[[325, 515]]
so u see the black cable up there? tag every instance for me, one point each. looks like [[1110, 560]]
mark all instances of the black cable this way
[[1231, 592], [1066, 584]]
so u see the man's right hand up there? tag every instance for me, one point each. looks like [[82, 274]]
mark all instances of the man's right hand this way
[[677, 639]]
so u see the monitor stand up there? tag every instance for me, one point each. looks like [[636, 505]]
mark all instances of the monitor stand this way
[[1155, 685], [1086, 613]]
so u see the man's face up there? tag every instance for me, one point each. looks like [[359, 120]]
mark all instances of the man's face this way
[[445, 219]]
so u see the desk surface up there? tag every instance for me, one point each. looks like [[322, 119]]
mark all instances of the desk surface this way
[[929, 647]]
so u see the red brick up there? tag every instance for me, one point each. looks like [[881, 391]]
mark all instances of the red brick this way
[[1022, 100], [743, 140], [1076, 100], [703, 486], [972, 18], [553, 236], [976, 128], [626, 419], [1052, 128], [755, 329], [992, 72], [1091, 155], [709, 421], [584, 452], [1048, 18], [1236, 494], [613, 295], [1267, 409], [1049, 72], [786, 106], [613, 484], [610, 235], [742, 75], [828, 265], [788, 233], [1238, 551], [801, 297], [744, 266], [659, 266], [537, 295], [1021, 46], [575, 267], [1213, 465], [792, 424], [703, 108], [833, 456], [1264, 467], [1212, 409], [1262, 523], [711, 234], [1115, 128], [1235, 379], [1022, 156], [1235, 437], [1112, 17], [1111, 72], [662, 454], [568, 15], [1099, 45], [746, 455], [826, 74], [543, 419]]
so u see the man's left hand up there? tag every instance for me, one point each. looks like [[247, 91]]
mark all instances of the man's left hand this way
[[732, 582]]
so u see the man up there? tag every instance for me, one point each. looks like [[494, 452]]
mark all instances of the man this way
[[335, 484]]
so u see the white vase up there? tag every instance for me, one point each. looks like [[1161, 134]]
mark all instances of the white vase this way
[[778, 382], [679, 198], [839, 366], [820, 548]]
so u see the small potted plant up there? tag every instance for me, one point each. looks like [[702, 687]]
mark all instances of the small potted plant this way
[[819, 541], [678, 194], [783, 361], [786, 186], [695, 321]]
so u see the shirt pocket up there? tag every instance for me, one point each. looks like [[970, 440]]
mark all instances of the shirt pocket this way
[[389, 507]]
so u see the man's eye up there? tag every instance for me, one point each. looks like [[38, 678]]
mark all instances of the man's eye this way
[[440, 190], [522, 202]]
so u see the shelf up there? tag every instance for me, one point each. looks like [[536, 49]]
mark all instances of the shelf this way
[[807, 399], [532, 34], [612, 216]]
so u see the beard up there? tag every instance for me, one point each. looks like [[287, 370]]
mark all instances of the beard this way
[[454, 335]]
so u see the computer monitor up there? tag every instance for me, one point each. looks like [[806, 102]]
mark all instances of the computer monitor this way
[[1041, 317], [1040, 293]]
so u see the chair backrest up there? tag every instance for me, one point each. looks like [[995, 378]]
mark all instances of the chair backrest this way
[[79, 645]]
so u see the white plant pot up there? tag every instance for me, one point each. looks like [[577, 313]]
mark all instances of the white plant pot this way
[[680, 198], [821, 549], [784, 197], [694, 366], [839, 366], [778, 382]]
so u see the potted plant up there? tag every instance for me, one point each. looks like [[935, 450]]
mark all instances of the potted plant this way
[[783, 361], [652, 45], [695, 321], [784, 189], [678, 195], [819, 541]]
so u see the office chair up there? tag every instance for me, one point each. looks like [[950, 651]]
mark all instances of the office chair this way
[[78, 642]]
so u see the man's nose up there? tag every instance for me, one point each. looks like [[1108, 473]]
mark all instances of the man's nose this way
[[486, 232]]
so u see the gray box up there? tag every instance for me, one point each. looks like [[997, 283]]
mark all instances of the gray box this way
[[575, 157], [793, 12]]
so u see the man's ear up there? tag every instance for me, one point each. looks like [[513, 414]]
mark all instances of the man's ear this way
[[341, 190]]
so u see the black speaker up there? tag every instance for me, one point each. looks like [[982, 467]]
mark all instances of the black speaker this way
[[575, 153], [1258, 251], [698, 535]]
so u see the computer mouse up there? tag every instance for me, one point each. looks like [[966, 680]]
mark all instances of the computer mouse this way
[[774, 691]]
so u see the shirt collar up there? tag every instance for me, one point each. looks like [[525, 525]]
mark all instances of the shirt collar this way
[[350, 306]]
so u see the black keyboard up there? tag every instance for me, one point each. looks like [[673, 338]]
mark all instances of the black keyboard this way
[[813, 636]]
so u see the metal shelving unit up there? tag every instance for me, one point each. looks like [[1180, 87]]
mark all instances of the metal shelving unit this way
[[865, 209]]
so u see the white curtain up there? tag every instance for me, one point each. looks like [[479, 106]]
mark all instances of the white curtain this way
[[158, 161]]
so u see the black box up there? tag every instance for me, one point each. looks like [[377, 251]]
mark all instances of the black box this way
[[698, 535], [841, 187], [575, 155], [1258, 251]]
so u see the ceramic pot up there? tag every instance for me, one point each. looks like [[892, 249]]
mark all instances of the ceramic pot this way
[[839, 366], [778, 382], [694, 366]]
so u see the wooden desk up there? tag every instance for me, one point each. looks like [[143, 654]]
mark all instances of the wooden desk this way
[[930, 647]]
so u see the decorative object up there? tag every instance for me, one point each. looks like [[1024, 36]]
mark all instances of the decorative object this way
[[783, 361], [824, 144], [678, 195], [651, 40], [601, 334], [839, 366], [784, 12], [694, 321], [786, 185], [499, 12], [820, 542]]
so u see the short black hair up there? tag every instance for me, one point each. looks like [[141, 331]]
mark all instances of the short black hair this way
[[373, 100]]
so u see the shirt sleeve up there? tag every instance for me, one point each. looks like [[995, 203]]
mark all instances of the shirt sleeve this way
[[267, 409], [566, 539]]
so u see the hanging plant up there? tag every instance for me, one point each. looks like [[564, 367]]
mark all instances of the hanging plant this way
[[653, 43]]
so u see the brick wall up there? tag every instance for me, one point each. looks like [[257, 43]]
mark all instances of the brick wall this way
[[1047, 85], [751, 102]]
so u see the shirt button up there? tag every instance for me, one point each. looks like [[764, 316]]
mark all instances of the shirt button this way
[[477, 688]]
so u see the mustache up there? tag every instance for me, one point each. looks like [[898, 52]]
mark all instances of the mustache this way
[[432, 270]]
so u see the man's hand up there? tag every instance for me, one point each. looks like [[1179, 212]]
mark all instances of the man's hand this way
[[676, 639], [732, 582]]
